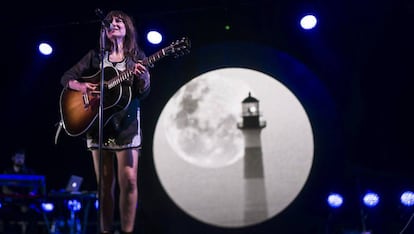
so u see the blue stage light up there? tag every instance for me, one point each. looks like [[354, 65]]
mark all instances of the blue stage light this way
[[48, 207], [154, 37], [45, 48], [407, 198], [335, 200], [74, 205], [371, 199], [308, 22]]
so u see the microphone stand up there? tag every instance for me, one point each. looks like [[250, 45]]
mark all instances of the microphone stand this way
[[101, 108]]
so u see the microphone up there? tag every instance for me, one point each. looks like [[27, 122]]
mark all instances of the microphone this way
[[101, 16]]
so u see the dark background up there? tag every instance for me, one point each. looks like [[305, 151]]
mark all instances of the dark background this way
[[359, 100]]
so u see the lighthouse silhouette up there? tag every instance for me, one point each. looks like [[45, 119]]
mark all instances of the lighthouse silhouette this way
[[255, 203]]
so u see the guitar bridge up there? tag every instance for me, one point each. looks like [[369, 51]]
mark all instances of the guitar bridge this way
[[86, 102]]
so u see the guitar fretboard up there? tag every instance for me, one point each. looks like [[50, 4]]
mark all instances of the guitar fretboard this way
[[149, 61], [178, 46]]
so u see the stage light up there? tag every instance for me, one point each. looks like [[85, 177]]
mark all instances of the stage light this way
[[335, 200], [308, 22], [371, 199], [48, 207], [407, 198], [45, 48], [154, 37], [97, 204], [74, 205]]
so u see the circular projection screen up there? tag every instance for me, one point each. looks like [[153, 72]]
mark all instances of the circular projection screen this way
[[200, 152]]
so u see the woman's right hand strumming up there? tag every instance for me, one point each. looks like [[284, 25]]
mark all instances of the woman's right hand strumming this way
[[83, 87]]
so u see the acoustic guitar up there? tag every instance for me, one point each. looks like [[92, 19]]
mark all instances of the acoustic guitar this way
[[80, 111]]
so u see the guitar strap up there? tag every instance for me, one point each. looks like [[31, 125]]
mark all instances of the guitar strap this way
[[58, 130]]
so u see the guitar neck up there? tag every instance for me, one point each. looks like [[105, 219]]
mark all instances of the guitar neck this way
[[150, 60], [174, 48]]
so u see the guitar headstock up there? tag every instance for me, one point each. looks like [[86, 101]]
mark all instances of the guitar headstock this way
[[179, 47]]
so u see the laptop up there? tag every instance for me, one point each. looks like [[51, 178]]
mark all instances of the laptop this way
[[74, 184]]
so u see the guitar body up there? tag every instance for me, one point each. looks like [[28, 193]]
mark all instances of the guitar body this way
[[79, 112]]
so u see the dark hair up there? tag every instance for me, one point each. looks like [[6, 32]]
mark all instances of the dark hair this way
[[131, 47]]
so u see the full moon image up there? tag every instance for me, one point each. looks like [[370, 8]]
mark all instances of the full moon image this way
[[220, 173], [193, 134]]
